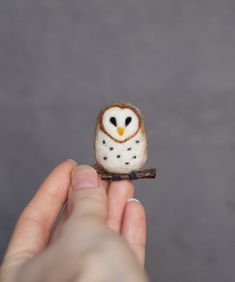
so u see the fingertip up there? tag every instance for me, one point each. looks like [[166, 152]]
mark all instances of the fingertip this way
[[87, 194], [135, 211], [133, 200], [89, 170], [134, 227], [66, 165], [71, 161], [84, 176]]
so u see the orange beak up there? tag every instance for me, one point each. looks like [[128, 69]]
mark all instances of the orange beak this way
[[120, 130]]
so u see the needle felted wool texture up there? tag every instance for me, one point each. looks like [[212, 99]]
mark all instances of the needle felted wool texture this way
[[120, 139]]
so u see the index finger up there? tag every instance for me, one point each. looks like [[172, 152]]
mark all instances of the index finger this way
[[34, 226]]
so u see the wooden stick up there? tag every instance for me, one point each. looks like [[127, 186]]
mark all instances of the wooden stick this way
[[134, 175]]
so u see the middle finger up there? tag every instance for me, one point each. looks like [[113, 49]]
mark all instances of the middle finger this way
[[118, 194]]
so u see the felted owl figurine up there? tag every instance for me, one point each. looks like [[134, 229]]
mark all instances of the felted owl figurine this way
[[120, 139]]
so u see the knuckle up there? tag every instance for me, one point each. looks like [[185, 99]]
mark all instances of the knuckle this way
[[89, 204], [91, 199], [92, 196]]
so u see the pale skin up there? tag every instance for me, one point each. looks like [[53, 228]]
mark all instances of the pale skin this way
[[100, 237]]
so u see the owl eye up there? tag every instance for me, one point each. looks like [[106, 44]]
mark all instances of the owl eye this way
[[113, 121], [128, 120]]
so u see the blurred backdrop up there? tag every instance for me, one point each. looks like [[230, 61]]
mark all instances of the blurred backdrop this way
[[61, 61]]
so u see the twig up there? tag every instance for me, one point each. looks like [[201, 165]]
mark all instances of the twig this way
[[134, 175]]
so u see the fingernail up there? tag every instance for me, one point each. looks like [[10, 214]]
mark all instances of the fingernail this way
[[84, 176], [133, 200], [72, 161]]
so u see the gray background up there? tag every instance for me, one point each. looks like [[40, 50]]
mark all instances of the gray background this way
[[61, 61]]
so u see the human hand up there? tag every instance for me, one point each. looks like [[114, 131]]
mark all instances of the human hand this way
[[100, 237]]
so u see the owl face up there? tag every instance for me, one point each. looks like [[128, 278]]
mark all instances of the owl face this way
[[120, 123]]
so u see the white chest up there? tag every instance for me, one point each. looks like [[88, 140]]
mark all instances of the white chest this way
[[120, 157]]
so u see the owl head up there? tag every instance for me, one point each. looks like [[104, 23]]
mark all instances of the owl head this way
[[120, 121]]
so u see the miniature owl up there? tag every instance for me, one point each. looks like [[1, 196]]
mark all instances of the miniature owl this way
[[120, 139]]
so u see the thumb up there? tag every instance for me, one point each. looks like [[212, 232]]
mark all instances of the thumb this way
[[87, 196]]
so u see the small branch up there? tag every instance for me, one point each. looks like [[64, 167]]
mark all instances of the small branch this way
[[134, 175]]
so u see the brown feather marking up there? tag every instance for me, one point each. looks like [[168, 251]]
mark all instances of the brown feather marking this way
[[121, 105]]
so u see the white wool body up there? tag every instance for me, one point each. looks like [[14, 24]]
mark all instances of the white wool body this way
[[119, 157]]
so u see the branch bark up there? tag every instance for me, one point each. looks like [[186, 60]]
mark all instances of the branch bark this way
[[134, 175]]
